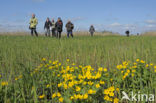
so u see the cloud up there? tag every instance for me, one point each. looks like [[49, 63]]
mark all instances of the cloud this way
[[38, 0], [77, 18], [74, 19], [151, 26], [115, 25], [150, 21]]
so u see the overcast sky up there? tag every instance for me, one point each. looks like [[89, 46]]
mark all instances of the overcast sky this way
[[112, 15]]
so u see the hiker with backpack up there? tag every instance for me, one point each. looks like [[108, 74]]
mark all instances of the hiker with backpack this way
[[92, 30], [33, 23], [127, 33], [47, 27], [53, 29], [59, 27], [69, 27]]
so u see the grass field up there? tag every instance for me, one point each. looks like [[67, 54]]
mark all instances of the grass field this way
[[21, 54]]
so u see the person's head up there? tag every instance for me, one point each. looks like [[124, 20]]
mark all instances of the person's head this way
[[33, 15], [47, 19], [59, 19], [69, 21], [53, 20]]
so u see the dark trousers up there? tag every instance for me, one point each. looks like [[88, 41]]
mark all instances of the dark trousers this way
[[47, 32], [58, 34], [69, 33], [33, 30], [91, 33], [53, 32]]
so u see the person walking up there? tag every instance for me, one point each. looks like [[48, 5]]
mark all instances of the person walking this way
[[53, 29], [33, 23], [59, 27], [69, 27], [127, 33], [47, 27], [92, 30]]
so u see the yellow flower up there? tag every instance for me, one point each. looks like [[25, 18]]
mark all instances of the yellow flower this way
[[80, 96], [137, 60], [124, 77], [90, 83], [85, 96], [51, 67], [112, 88], [97, 85], [106, 91], [16, 78], [50, 61], [117, 89], [122, 71], [133, 71], [119, 67], [54, 95], [78, 88], [67, 60], [151, 64], [71, 97], [106, 98], [105, 69], [4, 83], [154, 67], [65, 86], [61, 99], [43, 59], [91, 91], [0, 76], [142, 61], [41, 96], [116, 100], [147, 65], [48, 85], [128, 71], [102, 82], [132, 74], [58, 94], [59, 85], [84, 83], [100, 69], [111, 94]]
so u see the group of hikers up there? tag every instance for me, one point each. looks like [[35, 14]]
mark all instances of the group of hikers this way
[[55, 28]]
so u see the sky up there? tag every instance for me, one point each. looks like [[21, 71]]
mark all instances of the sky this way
[[106, 15]]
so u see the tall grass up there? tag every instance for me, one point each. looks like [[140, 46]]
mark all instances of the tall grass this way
[[22, 54]]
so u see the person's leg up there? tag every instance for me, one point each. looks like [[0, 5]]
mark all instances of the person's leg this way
[[48, 32], [35, 32], [53, 33], [67, 34], [32, 31], [71, 33], [59, 35]]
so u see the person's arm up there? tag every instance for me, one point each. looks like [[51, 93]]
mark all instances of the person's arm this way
[[94, 29], [36, 21]]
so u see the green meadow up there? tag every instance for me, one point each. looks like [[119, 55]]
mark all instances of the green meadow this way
[[19, 55]]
